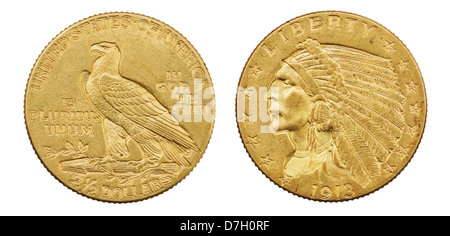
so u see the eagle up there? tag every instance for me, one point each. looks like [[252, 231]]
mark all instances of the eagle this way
[[131, 113]]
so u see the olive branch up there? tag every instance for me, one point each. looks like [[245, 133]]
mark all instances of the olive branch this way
[[69, 150], [149, 170]]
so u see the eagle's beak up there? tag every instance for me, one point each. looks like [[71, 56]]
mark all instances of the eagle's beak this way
[[96, 49]]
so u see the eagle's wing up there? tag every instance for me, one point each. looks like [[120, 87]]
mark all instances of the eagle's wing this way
[[115, 141], [82, 82], [139, 106]]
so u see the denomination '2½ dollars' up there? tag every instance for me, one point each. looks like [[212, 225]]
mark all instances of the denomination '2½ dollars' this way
[[331, 106], [119, 107]]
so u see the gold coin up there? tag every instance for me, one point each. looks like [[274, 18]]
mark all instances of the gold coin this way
[[119, 107], [331, 106]]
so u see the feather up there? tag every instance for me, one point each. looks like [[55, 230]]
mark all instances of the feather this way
[[376, 76], [174, 153], [382, 129], [374, 124], [115, 140], [83, 81], [336, 51], [369, 79], [331, 94], [377, 147], [151, 148], [138, 105], [153, 145], [388, 95], [367, 68], [355, 154], [384, 122], [379, 107], [303, 55]]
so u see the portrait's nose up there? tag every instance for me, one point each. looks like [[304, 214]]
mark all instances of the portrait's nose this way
[[274, 106], [273, 100]]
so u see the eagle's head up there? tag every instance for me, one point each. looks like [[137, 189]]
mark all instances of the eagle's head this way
[[104, 48]]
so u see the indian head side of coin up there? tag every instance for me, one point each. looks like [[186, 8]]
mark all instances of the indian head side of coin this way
[[331, 106], [119, 107]]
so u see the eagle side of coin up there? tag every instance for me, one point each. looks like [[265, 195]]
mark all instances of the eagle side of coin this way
[[119, 107], [331, 106]]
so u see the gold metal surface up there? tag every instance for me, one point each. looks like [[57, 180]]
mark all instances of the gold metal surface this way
[[119, 107], [331, 106]]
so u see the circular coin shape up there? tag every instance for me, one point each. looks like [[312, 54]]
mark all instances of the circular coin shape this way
[[119, 107], [331, 106]]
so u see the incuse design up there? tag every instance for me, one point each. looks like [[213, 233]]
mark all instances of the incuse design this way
[[81, 164], [102, 106], [130, 114], [346, 106]]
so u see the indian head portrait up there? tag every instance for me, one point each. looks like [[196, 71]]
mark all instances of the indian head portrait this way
[[340, 106], [341, 110]]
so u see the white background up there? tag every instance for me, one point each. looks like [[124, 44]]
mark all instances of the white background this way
[[225, 182]]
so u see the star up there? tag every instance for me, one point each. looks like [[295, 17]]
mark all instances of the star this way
[[413, 130], [388, 168], [253, 141], [265, 160], [411, 86], [255, 70], [416, 108], [286, 179], [389, 46], [403, 66], [404, 152], [246, 117]]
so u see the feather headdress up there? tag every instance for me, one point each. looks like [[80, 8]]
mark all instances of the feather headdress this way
[[363, 98]]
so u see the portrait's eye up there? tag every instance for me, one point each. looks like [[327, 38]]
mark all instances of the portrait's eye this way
[[285, 81]]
